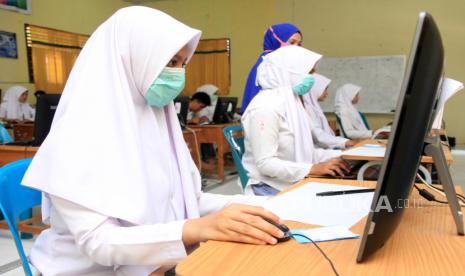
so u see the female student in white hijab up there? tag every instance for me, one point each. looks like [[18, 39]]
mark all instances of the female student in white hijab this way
[[278, 143], [352, 123], [15, 105], [126, 200], [322, 134]]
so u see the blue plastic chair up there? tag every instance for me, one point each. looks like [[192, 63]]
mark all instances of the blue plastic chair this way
[[5, 137], [235, 137], [15, 200]]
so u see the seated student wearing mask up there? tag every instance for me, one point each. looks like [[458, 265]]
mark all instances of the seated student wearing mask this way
[[278, 142], [352, 122], [198, 102], [322, 134], [132, 204]]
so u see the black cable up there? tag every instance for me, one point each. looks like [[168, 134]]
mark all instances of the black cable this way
[[322, 252], [442, 190], [429, 196]]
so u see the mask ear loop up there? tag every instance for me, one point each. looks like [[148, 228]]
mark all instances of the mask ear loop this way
[[282, 43]]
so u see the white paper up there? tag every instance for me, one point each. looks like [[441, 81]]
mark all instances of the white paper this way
[[367, 150], [302, 204], [322, 234], [448, 89]]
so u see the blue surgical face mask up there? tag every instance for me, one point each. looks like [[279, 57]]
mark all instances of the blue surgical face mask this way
[[305, 86], [166, 87]]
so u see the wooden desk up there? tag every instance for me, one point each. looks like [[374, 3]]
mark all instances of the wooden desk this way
[[193, 145], [424, 159], [425, 243], [12, 153], [213, 134]]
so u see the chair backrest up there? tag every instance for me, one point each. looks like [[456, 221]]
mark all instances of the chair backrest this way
[[15, 199], [339, 122], [365, 122], [235, 137]]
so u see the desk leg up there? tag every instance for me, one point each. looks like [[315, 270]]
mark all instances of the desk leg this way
[[221, 160]]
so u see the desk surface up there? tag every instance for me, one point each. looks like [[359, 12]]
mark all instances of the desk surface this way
[[424, 159], [12, 153], [425, 243], [214, 134]]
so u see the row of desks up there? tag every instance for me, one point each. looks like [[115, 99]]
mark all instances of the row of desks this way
[[203, 134], [425, 243]]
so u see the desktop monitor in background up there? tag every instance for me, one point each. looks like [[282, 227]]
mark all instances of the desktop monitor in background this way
[[45, 110], [412, 122], [224, 110], [181, 105]]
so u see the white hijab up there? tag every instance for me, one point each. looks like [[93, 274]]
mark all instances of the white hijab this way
[[343, 104], [277, 74], [311, 100], [108, 150], [14, 108]]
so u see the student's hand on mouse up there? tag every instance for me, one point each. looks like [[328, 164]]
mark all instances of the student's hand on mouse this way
[[335, 167], [235, 222]]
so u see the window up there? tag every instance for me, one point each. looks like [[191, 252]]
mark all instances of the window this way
[[210, 64], [51, 55]]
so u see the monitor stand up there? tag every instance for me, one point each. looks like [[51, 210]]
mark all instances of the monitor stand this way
[[434, 149]]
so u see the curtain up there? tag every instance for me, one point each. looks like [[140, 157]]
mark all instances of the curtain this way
[[51, 55], [210, 64]]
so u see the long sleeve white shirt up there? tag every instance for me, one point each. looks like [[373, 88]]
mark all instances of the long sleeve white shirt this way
[[269, 151], [353, 126], [84, 242], [322, 138]]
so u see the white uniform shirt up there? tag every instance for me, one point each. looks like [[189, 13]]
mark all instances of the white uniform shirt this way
[[321, 138], [84, 242], [270, 152], [353, 125]]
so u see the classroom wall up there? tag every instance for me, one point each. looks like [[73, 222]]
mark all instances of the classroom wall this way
[[81, 16], [331, 27]]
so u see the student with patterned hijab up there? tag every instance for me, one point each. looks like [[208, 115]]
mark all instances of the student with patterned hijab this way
[[276, 36]]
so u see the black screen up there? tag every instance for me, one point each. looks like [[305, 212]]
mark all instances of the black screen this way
[[45, 110], [181, 105], [224, 110], [412, 121]]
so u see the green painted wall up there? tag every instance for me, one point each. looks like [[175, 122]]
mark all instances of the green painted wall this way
[[331, 27]]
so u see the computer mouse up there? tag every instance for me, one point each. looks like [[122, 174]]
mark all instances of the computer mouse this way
[[287, 233]]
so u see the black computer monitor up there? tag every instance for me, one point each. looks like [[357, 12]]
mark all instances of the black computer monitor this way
[[181, 105], [45, 110], [412, 121], [224, 110]]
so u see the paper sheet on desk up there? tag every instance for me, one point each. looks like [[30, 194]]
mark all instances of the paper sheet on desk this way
[[448, 89], [302, 204], [368, 150]]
